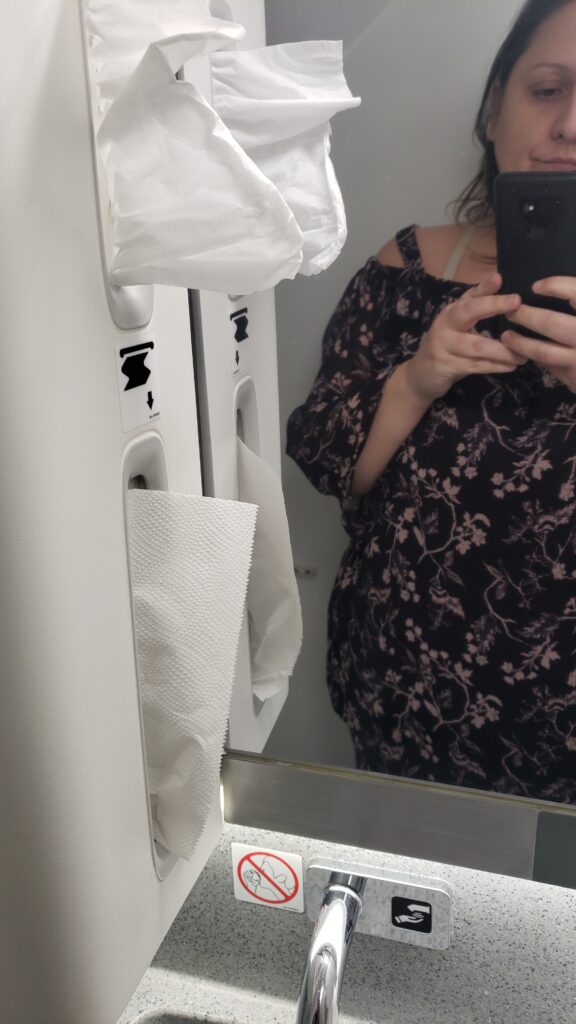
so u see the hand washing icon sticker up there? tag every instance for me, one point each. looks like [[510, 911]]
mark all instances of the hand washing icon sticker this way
[[412, 915]]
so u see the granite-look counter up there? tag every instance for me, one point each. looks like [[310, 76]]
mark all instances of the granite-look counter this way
[[512, 959]]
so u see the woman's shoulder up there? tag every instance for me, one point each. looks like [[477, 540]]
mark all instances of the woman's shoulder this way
[[435, 245]]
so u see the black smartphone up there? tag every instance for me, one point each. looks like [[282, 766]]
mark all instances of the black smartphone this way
[[535, 234]]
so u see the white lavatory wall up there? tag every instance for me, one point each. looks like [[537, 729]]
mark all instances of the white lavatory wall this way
[[400, 157]]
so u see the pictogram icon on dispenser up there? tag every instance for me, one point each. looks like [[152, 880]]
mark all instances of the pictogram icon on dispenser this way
[[138, 383], [134, 364], [240, 319]]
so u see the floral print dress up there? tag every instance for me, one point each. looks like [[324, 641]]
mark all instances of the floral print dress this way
[[452, 622]]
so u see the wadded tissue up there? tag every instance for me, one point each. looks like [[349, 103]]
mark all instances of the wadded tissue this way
[[273, 602], [189, 207], [231, 197], [277, 101]]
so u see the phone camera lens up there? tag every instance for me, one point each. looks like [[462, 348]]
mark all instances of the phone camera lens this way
[[540, 211]]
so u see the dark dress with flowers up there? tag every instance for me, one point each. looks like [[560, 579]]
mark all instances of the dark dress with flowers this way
[[452, 623]]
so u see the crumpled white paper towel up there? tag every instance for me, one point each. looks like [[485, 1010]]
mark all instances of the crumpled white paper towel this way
[[232, 204], [189, 207], [277, 101], [189, 565], [273, 602], [119, 33]]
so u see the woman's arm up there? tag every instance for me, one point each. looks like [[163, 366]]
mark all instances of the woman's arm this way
[[326, 434], [400, 410], [449, 351]]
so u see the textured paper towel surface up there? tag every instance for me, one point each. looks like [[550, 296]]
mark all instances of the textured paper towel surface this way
[[189, 565], [273, 601]]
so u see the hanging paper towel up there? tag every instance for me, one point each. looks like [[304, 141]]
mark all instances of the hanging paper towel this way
[[277, 101], [189, 565], [120, 32], [189, 207], [273, 602]]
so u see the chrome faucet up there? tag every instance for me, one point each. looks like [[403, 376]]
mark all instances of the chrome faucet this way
[[349, 897], [324, 970]]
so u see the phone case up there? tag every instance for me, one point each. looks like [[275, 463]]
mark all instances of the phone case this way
[[535, 233]]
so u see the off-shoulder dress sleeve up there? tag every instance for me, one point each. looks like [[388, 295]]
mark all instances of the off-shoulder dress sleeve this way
[[327, 433]]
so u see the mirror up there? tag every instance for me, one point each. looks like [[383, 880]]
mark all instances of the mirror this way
[[400, 159]]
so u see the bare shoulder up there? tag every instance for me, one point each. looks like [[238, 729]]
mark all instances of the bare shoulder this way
[[436, 245], [390, 255]]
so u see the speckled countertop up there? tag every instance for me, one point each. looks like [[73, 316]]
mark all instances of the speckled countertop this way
[[512, 958]]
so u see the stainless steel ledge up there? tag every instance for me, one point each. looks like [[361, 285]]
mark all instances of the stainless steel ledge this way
[[449, 825]]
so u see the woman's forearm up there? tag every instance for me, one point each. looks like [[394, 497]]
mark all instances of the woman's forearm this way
[[399, 411]]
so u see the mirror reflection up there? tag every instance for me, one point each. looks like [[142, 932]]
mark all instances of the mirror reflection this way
[[445, 435]]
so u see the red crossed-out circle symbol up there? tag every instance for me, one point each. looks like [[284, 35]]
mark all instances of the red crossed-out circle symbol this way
[[267, 877]]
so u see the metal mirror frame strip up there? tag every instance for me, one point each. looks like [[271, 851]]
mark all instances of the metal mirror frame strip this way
[[504, 835]]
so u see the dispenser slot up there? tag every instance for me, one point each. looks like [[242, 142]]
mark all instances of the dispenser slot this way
[[145, 468], [246, 412]]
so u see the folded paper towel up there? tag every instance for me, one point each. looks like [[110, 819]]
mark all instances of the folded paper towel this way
[[189, 565], [273, 602], [189, 207], [277, 101]]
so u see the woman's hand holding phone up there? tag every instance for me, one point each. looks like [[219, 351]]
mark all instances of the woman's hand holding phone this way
[[557, 355], [452, 350]]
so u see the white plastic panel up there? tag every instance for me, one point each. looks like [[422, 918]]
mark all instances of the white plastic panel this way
[[227, 388], [131, 306], [82, 909]]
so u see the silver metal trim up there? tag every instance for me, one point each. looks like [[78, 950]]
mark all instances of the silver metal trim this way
[[448, 825], [381, 885]]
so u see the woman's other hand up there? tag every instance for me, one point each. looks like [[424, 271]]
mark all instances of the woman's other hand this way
[[451, 349], [558, 355]]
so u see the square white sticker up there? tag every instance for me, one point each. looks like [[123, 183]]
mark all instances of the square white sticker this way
[[136, 366], [268, 877]]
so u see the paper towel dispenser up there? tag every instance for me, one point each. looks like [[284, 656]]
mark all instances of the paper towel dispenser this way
[[188, 562]]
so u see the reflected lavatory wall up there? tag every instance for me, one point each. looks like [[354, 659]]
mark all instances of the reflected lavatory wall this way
[[400, 158]]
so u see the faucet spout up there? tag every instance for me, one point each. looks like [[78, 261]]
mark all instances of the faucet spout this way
[[324, 971]]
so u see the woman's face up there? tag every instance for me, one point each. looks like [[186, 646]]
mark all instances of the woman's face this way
[[533, 126]]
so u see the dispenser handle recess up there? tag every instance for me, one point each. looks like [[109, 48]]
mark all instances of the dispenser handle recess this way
[[144, 466]]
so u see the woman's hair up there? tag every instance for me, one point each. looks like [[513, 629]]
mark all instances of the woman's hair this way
[[474, 204]]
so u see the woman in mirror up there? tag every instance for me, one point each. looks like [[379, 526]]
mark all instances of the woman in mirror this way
[[452, 449]]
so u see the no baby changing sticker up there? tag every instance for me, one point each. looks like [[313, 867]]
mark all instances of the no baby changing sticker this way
[[268, 877]]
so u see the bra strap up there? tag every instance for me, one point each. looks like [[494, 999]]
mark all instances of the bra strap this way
[[458, 251]]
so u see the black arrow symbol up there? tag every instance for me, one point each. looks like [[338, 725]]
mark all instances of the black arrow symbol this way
[[237, 357], [150, 401]]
